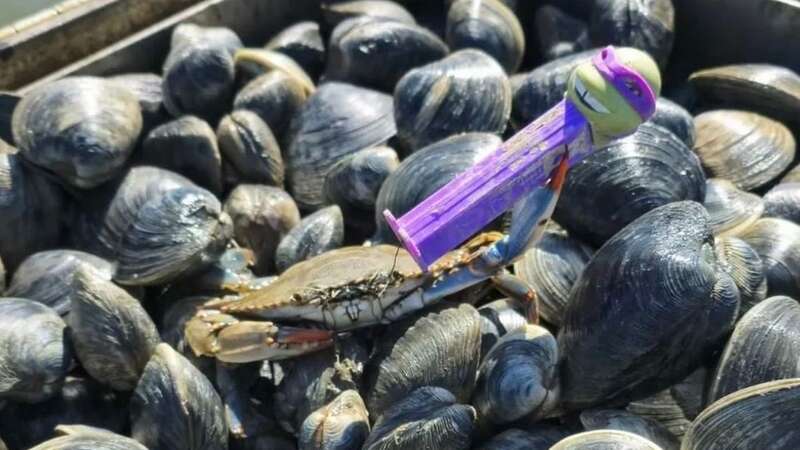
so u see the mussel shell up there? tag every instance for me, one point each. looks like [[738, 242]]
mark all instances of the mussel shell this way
[[777, 242], [428, 417], [175, 406], [611, 419], [188, 146], [676, 119], [354, 182], [488, 25], [441, 349], [764, 346], [337, 120], [303, 43], [335, 12], [605, 440], [499, 318], [518, 377], [730, 209], [424, 172], [46, 276], [643, 327], [313, 235], [625, 179], [559, 34], [648, 25], [35, 353], [744, 266], [342, 424], [261, 216], [253, 62], [81, 437], [276, 97], [551, 268], [760, 416], [765, 88], [376, 53], [748, 149], [466, 91], [250, 148], [517, 439], [112, 333], [783, 201]]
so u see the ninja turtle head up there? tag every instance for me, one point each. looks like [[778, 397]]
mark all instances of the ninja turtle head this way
[[616, 91]]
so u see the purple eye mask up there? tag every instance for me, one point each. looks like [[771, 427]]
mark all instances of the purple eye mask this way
[[632, 86]]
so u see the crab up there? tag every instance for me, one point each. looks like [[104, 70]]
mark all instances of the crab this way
[[354, 287]]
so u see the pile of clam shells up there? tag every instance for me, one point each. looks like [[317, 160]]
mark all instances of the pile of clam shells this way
[[668, 281]]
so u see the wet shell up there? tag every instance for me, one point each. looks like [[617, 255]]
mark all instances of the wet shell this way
[[175, 406], [440, 349], [376, 53], [611, 419], [112, 333], [777, 242], [664, 409], [250, 149], [428, 417], [46, 277], [466, 91], [648, 25], [336, 12], [764, 414], [425, 171], [647, 323], [743, 264], [340, 425], [518, 376], [551, 268], [560, 34], [748, 149], [625, 179], [516, 439], [676, 119], [262, 216], [499, 318], [730, 209], [783, 201], [81, 437], [254, 62], [312, 236], [487, 25], [301, 42], [187, 146], [276, 97], [338, 120], [147, 88], [35, 354], [353, 183], [764, 346], [605, 440]]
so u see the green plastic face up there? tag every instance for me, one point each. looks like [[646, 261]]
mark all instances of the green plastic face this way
[[607, 111]]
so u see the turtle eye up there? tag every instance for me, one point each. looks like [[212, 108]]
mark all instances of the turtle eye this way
[[633, 87]]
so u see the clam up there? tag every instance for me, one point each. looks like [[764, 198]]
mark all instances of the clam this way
[[730, 209], [428, 417], [301, 42], [466, 91], [312, 236], [748, 149], [81, 437], [559, 33], [187, 146], [792, 176], [676, 119], [551, 268], [646, 309], [261, 216], [354, 182], [648, 25], [147, 88], [744, 266], [605, 440], [777, 242], [276, 97], [499, 318], [664, 409], [625, 179], [764, 346], [175, 406], [610, 419], [254, 62], [783, 201], [341, 424], [425, 171], [760, 416], [439, 349], [199, 71], [336, 12], [338, 120], [488, 25], [540, 438], [250, 149], [518, 377], [112, 333], [35, 353], [46, 277]]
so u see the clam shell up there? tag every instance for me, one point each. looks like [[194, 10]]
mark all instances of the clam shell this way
[[276, 97], [303, 43], [313, 235], [440, 349], [428, 417], [624, 340], [676, 119], [664, 409], [783, 202], [253, 62], [466, 91], [488, 25], [499, 318], [250, 148], [147, 88], [648, 25], [610, 419], [341, 424], [792, 176], [625, 179], [175, 406], [777, 242], [605, 440], [80, 437], [559, 33], [748, 149], [516, 439], [81, 129], [354, 182], [762, 415], [744, 266], [730, 209], [336, 12]]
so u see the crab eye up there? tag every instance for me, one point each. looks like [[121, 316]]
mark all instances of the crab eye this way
[[633, 87]]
